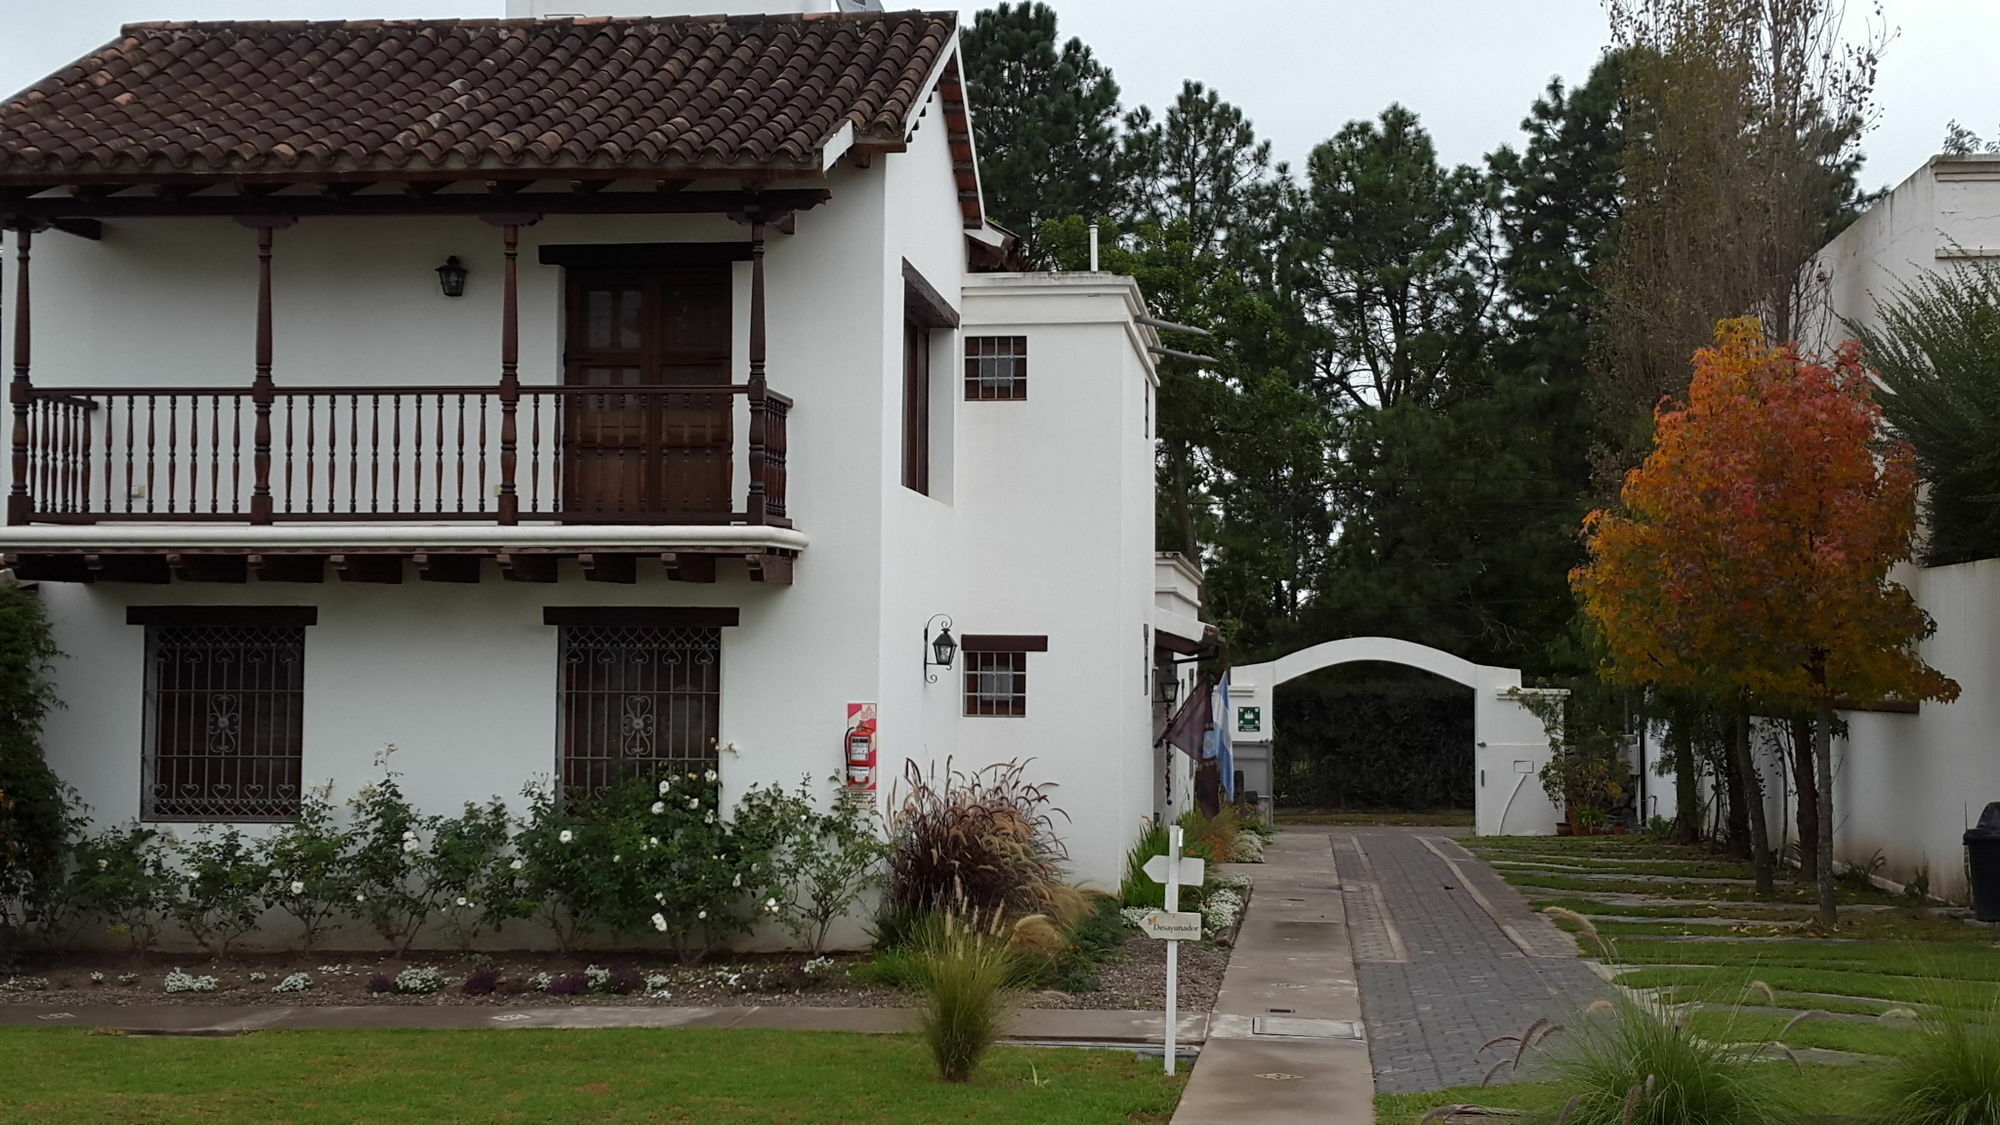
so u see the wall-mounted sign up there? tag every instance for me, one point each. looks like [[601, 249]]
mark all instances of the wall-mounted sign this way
[[1249, 720], [860, 748]]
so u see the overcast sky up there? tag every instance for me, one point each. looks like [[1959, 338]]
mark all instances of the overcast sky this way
[[1299, 68]]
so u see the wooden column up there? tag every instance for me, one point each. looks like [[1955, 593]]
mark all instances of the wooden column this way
[[758, 389], [510, 375], [262, 391], [18, 502]]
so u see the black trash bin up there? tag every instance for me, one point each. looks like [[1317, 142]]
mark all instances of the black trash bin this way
[[1982, 859]]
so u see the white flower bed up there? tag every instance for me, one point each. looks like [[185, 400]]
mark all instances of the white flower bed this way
[[420, 981], [296, 982], [1248, 848], [540, 982], [27, 984], [1220, 912], [178, 981]]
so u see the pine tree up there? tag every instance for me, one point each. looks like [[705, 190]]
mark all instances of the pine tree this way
[[1044, 119]]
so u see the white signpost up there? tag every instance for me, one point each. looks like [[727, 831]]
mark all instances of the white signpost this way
[[1171, 925]]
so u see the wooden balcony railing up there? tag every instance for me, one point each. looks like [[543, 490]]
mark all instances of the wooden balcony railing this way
[[579, 454]]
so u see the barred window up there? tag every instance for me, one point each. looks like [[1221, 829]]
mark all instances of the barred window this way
[[996, 683], [224, 723], [637, 702], [996, 368]]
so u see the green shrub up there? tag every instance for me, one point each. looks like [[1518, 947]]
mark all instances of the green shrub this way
[[219, 887], [1948, 1071], [816, 865], [122, 877], [1640, 1064], [388, 858], [462, 873], [37, 818], [307, 860], [965, 972]]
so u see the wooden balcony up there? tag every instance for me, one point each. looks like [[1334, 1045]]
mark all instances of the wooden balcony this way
[[561, 454]]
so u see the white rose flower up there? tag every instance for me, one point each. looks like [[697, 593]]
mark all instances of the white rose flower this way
[[710, 776], [361, 898], [660, 897], [517, 864], [770, 904], [694, 802], [615, 857], [409, 845], [660, 922], [666, 785], [737, 880], [462, 902], [708, 817], [103, 863], [298, 888], [565, 836], [701, 914], [410, 835], [652, 841], [659, 807]]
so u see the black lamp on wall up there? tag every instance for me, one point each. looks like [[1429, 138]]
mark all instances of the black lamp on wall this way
[[451, 277], [1169, 688], [939, 650]]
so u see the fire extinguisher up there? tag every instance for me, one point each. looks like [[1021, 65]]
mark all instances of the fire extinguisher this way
[[861, 756]]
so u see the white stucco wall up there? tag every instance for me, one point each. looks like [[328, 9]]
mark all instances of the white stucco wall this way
[[1907, 786]]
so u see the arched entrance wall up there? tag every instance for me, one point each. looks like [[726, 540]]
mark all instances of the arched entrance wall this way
[[1510, 743]]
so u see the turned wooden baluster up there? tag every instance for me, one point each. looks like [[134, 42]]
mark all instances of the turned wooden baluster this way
[[758, 390], [18, 502], [510, 376], [263, 391]]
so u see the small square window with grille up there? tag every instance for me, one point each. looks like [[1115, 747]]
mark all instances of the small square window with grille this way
[[996, 683], [637, 702], [224, 728], [996, 368]]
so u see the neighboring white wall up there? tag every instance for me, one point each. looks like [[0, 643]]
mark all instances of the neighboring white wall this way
[[1055, 534], [1907, 786]]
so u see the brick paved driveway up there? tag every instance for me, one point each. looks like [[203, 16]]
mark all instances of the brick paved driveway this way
[[1448, 956]]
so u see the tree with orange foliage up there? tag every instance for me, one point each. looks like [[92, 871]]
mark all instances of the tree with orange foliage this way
[[1751, 558]]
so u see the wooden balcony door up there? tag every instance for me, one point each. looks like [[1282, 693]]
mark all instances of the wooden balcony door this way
[[655, 453]]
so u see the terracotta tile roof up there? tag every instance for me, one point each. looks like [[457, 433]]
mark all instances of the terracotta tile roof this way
[[436, 95]]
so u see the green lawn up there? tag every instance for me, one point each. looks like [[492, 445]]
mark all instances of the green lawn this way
[[1818, 1093], [1893, 957], [624, 1075]]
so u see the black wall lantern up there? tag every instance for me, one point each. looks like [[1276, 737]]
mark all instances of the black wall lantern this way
[[451, 277], [1168, 690], [939, 651]]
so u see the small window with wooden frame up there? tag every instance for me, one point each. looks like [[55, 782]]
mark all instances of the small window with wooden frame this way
[[996, 368], [225, 705], [924, 311], [996, 673]]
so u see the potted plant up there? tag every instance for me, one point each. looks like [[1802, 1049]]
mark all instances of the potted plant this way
[[1590, 820]]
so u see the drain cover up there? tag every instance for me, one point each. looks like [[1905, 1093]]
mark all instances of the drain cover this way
[[1300, 1028]]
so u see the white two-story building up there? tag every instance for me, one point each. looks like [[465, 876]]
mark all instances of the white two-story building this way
[[562, 397]]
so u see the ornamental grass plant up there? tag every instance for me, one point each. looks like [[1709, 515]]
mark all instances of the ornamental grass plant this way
[[982, 841], [1635, 1062], [966, 969], [1947, 1072]]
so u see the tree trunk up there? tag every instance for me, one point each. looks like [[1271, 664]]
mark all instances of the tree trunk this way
[[1687, 789], [1753, 798], [1739, 795], [1829, 914], [1806, 773]]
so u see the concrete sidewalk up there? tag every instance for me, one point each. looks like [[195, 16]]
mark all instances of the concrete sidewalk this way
[[1285, 1040], [1033, 1025]]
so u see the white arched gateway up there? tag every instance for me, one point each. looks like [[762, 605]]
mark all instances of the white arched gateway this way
[[1510, 743]]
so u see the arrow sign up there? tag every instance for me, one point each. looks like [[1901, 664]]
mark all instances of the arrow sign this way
[[1192, 870], [1172, 925]]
